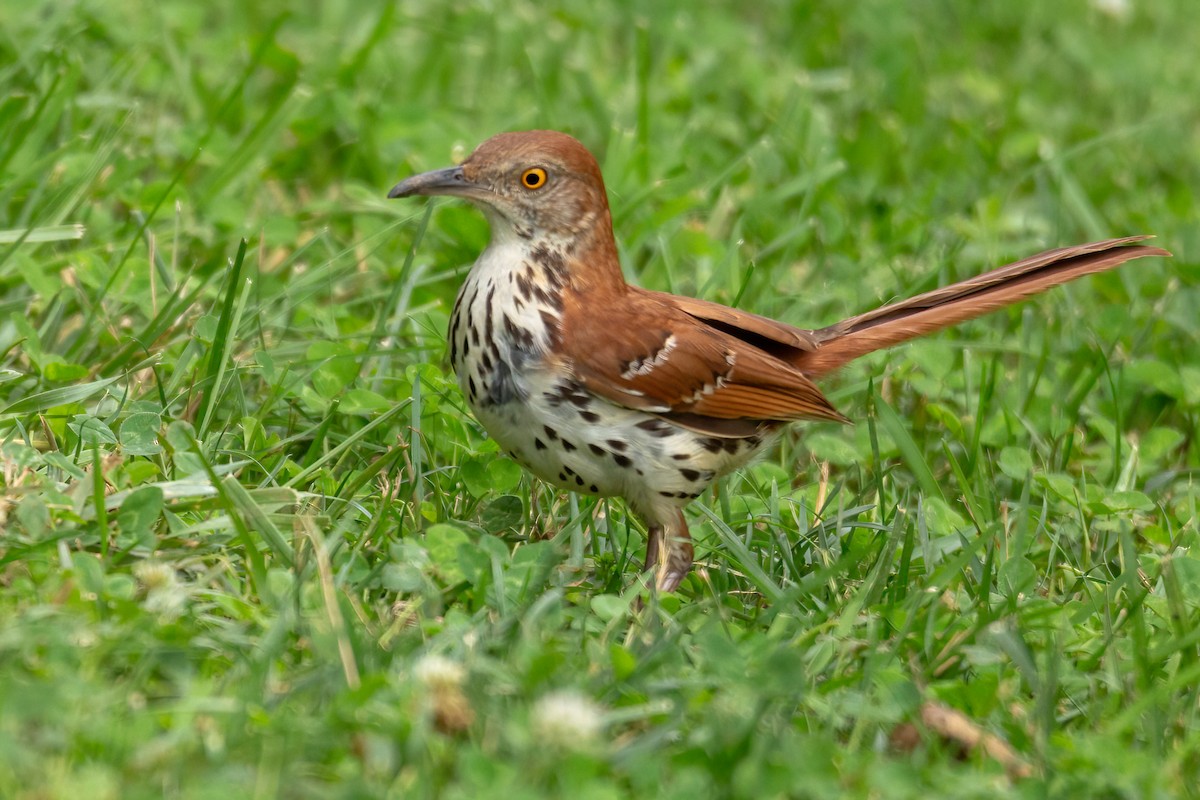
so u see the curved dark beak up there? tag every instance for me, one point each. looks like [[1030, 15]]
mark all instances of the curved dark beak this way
[[450, 181]]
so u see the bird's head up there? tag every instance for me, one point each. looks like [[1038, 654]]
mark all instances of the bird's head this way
[[534, 184]]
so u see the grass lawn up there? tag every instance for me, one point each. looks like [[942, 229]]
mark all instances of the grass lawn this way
[[253, 545]]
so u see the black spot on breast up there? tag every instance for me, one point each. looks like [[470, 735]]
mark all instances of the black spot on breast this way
[[501, 388], [655, 427], [550, 298], [597, 449], [553, 329], [690, 474], [553, 434], [521, 337], [578, 481], [567, 445], [553, 261], [524, 286], [680, 456], [488, 322], [616, 444], [472, 390], [622, 461], [538, 444], [455, 322], [589, 416], [716, 444], [565, 392], [568, 470], [462, 305], [594, 489]]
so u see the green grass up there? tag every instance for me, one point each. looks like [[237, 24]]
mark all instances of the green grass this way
[[253, 546]]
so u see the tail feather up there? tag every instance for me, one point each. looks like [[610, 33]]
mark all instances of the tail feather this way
[[921, 315]]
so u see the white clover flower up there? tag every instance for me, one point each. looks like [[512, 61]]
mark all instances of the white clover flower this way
[[155, 575], [1117, 9], [436, 672], [166, 603], [567, 718], [166, 596], [442, 680]]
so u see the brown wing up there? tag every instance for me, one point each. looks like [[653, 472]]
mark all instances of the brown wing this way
[[779, 339], [653, 355]]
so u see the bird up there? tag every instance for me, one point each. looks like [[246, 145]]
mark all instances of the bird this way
[[601, 387]]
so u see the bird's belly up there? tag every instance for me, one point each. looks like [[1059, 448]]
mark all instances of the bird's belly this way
[[576, 441]]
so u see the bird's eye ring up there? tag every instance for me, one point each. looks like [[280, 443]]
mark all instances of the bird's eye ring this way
[[533, 178]]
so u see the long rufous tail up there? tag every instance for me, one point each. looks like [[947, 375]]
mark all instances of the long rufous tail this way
[[892, 324]]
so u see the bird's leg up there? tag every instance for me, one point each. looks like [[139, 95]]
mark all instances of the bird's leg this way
[[654, 535], [671, 550]]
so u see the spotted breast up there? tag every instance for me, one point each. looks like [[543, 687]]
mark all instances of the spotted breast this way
[[503, 342]]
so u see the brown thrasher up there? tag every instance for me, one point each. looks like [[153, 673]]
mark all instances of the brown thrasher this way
[[601, 387]]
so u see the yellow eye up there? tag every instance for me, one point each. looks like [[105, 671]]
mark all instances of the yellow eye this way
[[533, 178]]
